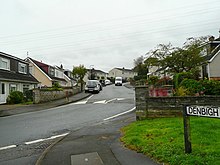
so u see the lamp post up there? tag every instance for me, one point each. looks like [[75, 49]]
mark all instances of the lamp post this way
[[90, 67]]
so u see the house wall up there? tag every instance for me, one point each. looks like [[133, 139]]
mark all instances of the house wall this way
[[19, 87], [119, 73], [114, 73], [40, 76], [213, 67]]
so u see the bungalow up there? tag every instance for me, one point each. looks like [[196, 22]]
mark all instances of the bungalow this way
[[47, 75], [14, 76]]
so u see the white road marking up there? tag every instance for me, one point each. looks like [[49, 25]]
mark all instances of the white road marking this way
[[119, 99], [35, 141], [83, 102], [89, 97], [110, 100], [120, 114], [50, 138], [100, 102], [54, 137], [80, 102], [8, 147]]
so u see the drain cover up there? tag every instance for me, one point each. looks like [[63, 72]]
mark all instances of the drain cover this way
[[92, 158]]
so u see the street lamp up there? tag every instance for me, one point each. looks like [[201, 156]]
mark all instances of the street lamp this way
[[90, 67]]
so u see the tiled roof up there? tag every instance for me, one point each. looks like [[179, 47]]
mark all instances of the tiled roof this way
[[41, 65], [128, 70], [17, 77], [12, 57]]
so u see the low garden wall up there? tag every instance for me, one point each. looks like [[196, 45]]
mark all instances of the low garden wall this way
[[147, 106], [44, 95]]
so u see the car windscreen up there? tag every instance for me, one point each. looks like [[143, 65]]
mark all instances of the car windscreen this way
[[118, 79]]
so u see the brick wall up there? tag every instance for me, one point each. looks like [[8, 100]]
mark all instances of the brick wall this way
[[167, 106], [41, 95]]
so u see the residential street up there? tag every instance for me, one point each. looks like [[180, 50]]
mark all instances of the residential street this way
[[28, 131]]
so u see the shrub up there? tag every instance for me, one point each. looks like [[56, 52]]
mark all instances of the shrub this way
[[211, 87], [15, 97], [192, 86], [28, 95], [153, 80], [181, 91], [179, 77]]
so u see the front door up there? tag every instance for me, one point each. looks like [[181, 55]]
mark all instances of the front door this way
[[2, 93]]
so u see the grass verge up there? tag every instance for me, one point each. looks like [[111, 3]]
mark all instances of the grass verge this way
[[163, 140]]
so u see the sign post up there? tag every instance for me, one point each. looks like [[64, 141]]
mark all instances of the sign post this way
[[195, 110], [187, 134]]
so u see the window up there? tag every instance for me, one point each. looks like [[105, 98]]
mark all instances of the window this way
[[31, 69], [22, 68], [25, 88], [13, 87], [2, 89], [52, 72], [4, 63]]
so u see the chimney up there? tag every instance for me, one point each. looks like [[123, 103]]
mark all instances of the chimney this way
[[212, 38]]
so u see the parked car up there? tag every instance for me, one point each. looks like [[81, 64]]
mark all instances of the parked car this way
[[102, 82], [93, 86], [107, 82]]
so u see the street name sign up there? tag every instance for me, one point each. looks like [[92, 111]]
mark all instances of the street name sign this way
[[196, 110], [203, 111]]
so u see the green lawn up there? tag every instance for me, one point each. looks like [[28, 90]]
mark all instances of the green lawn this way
[[163, 140]]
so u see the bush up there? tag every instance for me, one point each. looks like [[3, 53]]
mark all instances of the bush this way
[[211, 87], [28, 95], [179, 77], [15, 97], [153, 80], [181, 91], [192, 86]]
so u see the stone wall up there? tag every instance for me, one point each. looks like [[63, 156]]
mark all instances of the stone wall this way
[[147, 107], [42, 95]]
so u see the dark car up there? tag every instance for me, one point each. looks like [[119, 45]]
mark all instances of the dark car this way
[[93, 86]]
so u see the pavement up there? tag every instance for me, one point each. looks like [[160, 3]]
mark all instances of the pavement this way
[[97, 144]]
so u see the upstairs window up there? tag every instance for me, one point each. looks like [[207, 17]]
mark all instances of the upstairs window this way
[[22, 68], [52, 71], [4, 63]]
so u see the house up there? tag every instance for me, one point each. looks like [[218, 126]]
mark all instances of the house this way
[[14, 76], [212, 54], [47, 75], [122, 72], [95, 74], [69, 77]]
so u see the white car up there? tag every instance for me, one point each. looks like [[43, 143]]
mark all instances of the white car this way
[[107, 82]]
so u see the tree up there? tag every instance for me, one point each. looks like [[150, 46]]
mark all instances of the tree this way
[[140, 68], [79, 72], [185, 59]]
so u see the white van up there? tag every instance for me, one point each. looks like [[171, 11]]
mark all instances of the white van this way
[[118, 81]]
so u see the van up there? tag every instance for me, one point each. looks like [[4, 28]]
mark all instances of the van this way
[[118, 81]]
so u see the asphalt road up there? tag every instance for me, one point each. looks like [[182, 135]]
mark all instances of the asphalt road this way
[[20, 130]]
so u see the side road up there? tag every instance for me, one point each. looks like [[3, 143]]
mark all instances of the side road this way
[[8, 110], [97, 144]]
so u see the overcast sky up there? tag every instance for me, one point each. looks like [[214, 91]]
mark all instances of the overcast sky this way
[[102, 34]]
